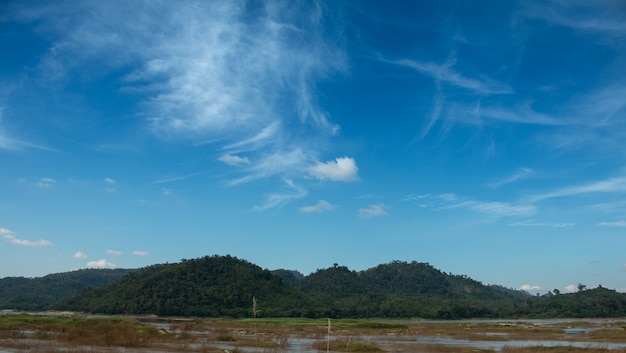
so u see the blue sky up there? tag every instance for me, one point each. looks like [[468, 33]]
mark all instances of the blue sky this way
[[485, 138]]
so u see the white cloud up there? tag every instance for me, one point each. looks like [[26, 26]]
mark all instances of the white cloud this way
[[102, 263], [533, 223], [612, 224], [80, 255], [109, 181], [233, 160], [571, 288], [443, 73], [224, 74], [373, 210], [520, 174], [530, 288], [46, 182], [321, 206], [341, 169], [449, 201], [611, 185], [114, 252], [141, 253], [10, 236], [277, 199]]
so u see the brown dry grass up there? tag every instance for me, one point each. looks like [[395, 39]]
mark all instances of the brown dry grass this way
[[44, 334]]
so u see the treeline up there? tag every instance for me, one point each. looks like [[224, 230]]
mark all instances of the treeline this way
[[35, 294], [224, 286]]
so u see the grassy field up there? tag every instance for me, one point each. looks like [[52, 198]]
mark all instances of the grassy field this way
[[71, 333]]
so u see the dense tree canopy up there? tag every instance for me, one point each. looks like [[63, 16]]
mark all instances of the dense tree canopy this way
[[224, 286]]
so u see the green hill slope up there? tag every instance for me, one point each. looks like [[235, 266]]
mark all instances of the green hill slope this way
[[401, 289], [224, 286], [210, 286], [39, 293]]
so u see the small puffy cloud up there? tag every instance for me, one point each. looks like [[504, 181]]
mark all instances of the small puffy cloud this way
[[46, 182], [341, 169], [10, 236], [109, 181], [321, 206], [114, 252], [80, 255], [571, 288], [233, 160], [140, 253], [530, 288], [373, 210], [102, 263]]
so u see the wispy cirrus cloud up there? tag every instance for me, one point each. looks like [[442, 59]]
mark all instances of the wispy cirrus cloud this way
[[114, 252], [612, 224], [616, 184], [141, 253], [291, 191], [445, 74], [534, 223], [449, 201], [581, 15], [11, 237], [520, 174], [320, 206], [240, 79]]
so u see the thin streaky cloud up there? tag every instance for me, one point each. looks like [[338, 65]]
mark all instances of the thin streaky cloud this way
[[174, 178], [533, 223], [114, 252], [581, 15], [292, 192], [212, 76], [443, 73], [521, 174], [617, 185], [449, 201], [141, 253], [612, 224]]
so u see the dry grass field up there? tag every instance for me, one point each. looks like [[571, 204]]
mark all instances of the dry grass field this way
[[73, 333]]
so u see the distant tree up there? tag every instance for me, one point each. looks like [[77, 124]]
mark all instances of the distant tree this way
[[581, 287], [556, 291]]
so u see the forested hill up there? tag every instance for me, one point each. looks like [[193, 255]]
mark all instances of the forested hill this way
[[401, 289], [39, 293], [224, 286], [209, 286]]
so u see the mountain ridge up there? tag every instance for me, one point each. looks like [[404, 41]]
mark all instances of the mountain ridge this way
[[225, 286]]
